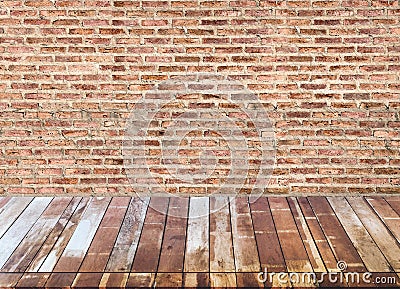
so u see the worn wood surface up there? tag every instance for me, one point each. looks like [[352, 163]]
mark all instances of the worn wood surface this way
[[195, 242]]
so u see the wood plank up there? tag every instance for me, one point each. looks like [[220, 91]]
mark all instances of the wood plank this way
[[47, 262], [382, 237], [318, 235], [33, 280], [9, 280], [14, 235], [305, 234], [244, 243], [11, 211], [114, 280], [60, 280], [196, 280], [30, 245], [394, 202], [221, 247], [148, 251], [197, 242], [168, 280], [140, 280], [248, 280], [124, 250], [223, 280], [386, 214], [3, 202], [81, 239], [269, 249], [365, 245], [53, 236], [103, 242], [339, 242], [295, 255], [173, 246], [83, 280]]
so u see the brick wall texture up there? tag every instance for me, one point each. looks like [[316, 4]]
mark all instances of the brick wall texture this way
[[327, 73]]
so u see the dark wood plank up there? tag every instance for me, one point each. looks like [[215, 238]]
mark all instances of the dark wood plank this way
[[48, 261], [30, 245], [295, 255], [60, 280], [168, 280], [148, 251], [103, 242], [269, 249], [340, 243], [125, 247], [394, 202], [248, 280]]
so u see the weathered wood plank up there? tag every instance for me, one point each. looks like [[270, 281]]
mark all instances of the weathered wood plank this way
[[30, 245], [53, 236], [124, 250], [221, 247], [148, 251], [295, 255], [168, 280], [83, 280], [3, 202], [81, 239], [103, 242], [365, 245], [196, 280], [11, 211], [318, 235], [394, 202], [197, 242], [223, 280], [244, 243], [33, 280], [60, 280], [305, 234], [269, 249], [382, 237], [248, 280], [386, 214], [141, 280], [114, 280], [15, 234], [339, 242], [49, 261], [9, 280]]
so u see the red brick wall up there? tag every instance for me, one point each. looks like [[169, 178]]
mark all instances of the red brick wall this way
[[327, 73]]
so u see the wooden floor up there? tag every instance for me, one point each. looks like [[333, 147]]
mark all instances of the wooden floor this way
[[194, 242]]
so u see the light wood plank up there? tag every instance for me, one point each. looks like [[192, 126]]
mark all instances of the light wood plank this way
[[11, 211], [223, 280], [30, 245], [114, 280], [3, 202], [49, 261], [80, 241], [221, 248], [365, 245], [128, 238], [382, 237], [11, 239], [196, 280], [141, 280], [296, 257], [197, 242], [244, 243]]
